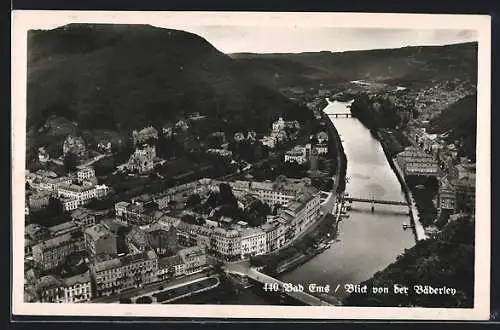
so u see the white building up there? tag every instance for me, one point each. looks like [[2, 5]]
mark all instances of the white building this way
[[227, 243], [253, 242], [85, 174], [298, 154], [75, 289], [275, 235], [322, 149], [73, 196]]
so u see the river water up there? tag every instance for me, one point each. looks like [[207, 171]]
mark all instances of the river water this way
[[367, 242]]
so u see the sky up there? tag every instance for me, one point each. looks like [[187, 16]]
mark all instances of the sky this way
[[233, 39], [288, 32]]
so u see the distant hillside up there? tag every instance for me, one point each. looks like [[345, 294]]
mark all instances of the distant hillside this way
[[122, 77], [408, 65]]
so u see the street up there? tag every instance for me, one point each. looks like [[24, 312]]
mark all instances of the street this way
[[151, 288]]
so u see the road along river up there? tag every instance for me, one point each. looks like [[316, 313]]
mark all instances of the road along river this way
[[367, 242]]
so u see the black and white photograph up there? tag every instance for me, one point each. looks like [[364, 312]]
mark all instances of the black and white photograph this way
[[261, 165]]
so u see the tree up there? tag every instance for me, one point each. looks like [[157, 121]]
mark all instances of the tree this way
[[125, 301], [226, 196], [193, 200], [70, 162], [144, 300]]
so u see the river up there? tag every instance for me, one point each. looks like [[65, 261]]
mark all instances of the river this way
[[367, 242]]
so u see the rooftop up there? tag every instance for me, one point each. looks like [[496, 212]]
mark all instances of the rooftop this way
[[65, 226], [58, 240], [169, 261], [81, 278], [97, 231], [191, 252], [49, 282]]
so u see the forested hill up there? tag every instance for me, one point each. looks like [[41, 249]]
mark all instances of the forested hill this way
[[447, 260], [460, 122], [408, 65], [123, 77]]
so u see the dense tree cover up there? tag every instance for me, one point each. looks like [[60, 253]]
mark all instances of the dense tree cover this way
[[376, 113], [446, 260], [424, 191], [460, 121], [184, 74], [144, 300], [101, 204], [70, 162], [193, 200], [226, 196], [408, 66], [51, 215]]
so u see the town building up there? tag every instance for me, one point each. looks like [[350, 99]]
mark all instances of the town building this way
[[239, 136], [191, 235], [322, 137], [170, 267], [73, 196], [36, 232], [99, 240], [269, 141], [275, 235], [75, 145], [182, 125], [39, 199], [221, 152], [63, 228], [105, 146], [144, 135], [142, 160], [86, 174], [281, 191], [136, 213], [253, 242], [137, 241], [226, 243], [46, 181], [167, 131], [83, 217], [446, 195], [52, 253], [194, 259], [463, 178], [415, 162], [74, 289], [111, 276], [43, 155], [162, 239], [321, 148], [297, 154]]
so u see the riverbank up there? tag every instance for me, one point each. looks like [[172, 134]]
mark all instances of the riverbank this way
[[325, 229], [302, 250], [418, 229], [341, 168]]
